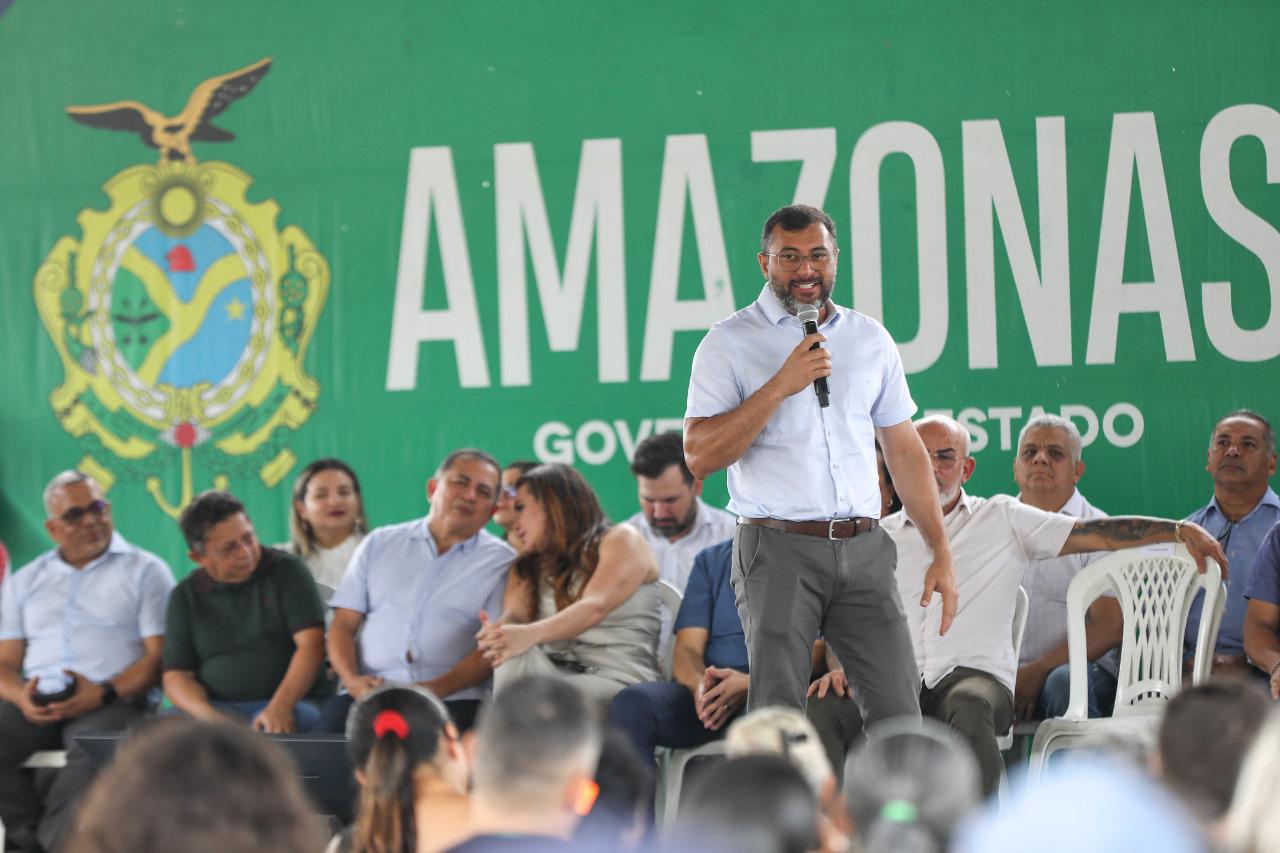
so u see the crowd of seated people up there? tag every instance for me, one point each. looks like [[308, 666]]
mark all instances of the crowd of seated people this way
[[439, 631]]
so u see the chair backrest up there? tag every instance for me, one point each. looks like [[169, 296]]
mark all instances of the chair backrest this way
[[1020, 607], [1155, 586], [670, 598]]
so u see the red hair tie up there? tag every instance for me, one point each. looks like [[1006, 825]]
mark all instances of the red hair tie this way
[[392, 721]]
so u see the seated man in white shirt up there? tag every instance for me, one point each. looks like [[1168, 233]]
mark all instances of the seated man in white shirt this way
[[673, 519], [967, 675], [1047, 468], [81, 632]]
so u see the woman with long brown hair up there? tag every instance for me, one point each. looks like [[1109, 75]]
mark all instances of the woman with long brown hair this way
[[326, 520], [580, 599]]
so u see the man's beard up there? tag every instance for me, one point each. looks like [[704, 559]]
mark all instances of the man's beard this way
[[782, 290], [671, 528], [945, 497]]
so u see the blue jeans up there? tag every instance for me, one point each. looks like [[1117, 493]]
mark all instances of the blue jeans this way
[[1056, 693], [305, 714]]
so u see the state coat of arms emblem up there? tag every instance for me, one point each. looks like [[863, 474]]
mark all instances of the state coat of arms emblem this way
[[182, 313]]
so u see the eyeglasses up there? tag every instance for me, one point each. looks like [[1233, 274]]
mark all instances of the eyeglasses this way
[[946, 459], [76, 514], [507, 492], [819, 259]]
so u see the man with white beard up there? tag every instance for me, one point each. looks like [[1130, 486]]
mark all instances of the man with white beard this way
[[967, 675]]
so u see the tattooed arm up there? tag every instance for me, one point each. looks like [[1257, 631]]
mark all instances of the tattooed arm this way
[[1131, 531]]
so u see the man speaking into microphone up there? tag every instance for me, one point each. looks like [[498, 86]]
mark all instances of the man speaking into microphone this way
[[809, 556]]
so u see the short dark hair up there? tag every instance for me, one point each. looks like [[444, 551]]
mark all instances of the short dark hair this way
[[795, 217], [468, 453], [206, 510], [1202, 770], [754, 803], [1268, 431], [535, 733], [524, 466], [659, 452]]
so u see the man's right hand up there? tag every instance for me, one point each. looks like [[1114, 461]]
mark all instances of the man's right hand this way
[[361, 685], [833, 682], [803, 366], [40, 715]]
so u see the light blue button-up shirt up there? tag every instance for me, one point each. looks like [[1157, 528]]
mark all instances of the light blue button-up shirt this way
[[422, 609], [808, 462], [1241, 545], [91, 620]]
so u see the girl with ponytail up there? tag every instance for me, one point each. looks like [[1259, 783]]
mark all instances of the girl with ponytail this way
[[412, 773]]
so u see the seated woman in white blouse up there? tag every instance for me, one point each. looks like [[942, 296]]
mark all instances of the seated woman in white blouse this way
[[326, 521]]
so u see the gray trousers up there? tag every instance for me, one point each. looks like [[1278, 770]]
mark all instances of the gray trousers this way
[[976, 706], [790, 588], [27, 820]]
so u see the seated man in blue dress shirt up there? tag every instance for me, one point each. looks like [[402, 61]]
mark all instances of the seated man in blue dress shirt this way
[[1242, 458], [709, 667], [1262, 619], [86, 618], [417, 588]]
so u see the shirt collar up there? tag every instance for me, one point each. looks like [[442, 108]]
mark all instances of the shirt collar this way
[[423, 532], [1074, 506], [117, 545], [775, 313], [964, 502], [1269, 498]]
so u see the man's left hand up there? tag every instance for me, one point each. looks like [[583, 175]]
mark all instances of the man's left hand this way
[[941, 578], [87, 697], [274, 720], [1201, 544], [724, 692]]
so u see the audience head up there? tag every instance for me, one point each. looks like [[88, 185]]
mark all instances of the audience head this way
[[1242, 453], [220, 537], [559, 523], [505, 515], [537, 746], [750, 804], [667, 490], [786, 732], [948, 445], [889, 501], [1253, 822], [1048, 464], [463, 494], [327, 506], [180, 784], [909, 786], [78, 517], [625, 782], [1083, 803], [395, 735], [1202, 770]]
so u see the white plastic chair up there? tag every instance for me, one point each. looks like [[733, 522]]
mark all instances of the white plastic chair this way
[[671, 766], [46, 759], [1155, 586], [1020, 607], [670, 597]]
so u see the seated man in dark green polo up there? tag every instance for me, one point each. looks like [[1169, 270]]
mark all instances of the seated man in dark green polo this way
[[245, 631]]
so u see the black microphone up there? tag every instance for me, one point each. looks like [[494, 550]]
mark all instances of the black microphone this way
[[807, 314]]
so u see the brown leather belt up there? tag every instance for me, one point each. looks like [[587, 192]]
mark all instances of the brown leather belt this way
[[836, 528]]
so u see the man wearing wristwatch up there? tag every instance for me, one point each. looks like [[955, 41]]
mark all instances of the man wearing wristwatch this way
[[81, 631]]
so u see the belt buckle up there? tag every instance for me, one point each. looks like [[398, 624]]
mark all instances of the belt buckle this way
[[831, 530]]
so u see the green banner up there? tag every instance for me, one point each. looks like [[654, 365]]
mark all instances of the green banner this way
[[238, 236]]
